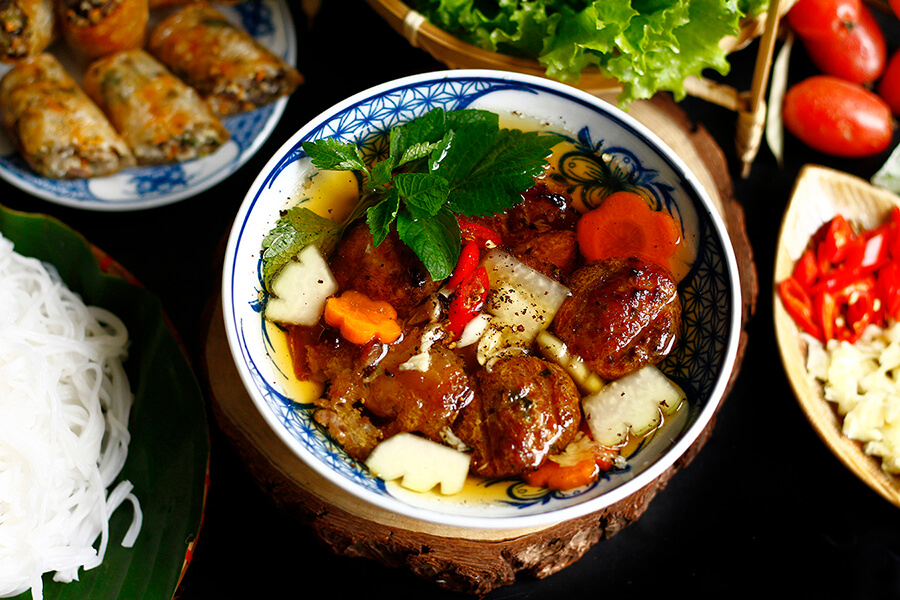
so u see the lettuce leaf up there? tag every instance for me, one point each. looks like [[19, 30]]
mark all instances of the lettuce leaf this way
[[647, 45]]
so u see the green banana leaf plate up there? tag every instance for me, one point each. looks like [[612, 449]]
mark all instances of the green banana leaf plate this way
[[168, 457]]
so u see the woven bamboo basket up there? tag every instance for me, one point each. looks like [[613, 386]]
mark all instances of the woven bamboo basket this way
[[457, 54], [749, 105]]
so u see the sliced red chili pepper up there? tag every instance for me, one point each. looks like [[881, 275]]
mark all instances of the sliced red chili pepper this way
[[893, 233], [468, 261], [484, 236], [836, 280], [853, 252], [799, 305], [876, 253], [889, 286], [845, 313], [825, 313], [467, 301], [862, 309], [833, 246], [806, 271]]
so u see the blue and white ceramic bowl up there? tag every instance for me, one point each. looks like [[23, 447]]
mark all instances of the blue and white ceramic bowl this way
[[710, 291]]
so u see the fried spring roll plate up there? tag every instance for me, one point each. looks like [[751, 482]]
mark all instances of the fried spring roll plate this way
[[162, 119], [96, 28], [26, 28], [169, 3], [58, 130], [231, 70]]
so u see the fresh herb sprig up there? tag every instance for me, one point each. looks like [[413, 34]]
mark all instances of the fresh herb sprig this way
[[440, 165]]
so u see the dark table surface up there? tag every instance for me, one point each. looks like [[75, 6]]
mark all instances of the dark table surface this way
[[764, 508]]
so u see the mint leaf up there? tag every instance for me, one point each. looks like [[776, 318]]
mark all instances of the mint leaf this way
[[293, 231], [329, 154], [465, 150], [431, 128], [504, 170], [423, 194], [440, 164], [426, 129], [416, 152], [380, 216], [380, 175], [517, 154], [436, 241], [456, 119]]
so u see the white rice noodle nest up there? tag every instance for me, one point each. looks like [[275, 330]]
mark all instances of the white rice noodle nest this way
[[64, 406], [863, 380]]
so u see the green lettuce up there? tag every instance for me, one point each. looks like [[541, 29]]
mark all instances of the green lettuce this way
[[647, 45]]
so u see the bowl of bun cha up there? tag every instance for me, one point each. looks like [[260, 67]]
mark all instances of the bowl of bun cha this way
[[481, 300]]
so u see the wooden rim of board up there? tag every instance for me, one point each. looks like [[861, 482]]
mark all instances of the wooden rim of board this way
[[472, 561]]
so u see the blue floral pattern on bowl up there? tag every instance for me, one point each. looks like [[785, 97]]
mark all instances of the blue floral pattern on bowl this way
[[710, 292], [270, 22]]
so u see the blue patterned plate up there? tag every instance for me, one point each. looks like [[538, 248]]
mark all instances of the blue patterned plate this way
[[602, 136], [270, 22]]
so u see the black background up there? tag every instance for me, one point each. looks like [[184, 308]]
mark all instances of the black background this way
[[765, 508]]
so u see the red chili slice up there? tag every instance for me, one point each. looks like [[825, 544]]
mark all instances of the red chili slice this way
[[799, 305], [482, 235], [468, 300], [468, 261]]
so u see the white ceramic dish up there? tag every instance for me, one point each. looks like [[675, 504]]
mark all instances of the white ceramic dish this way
[[710, 292], [270, 22]]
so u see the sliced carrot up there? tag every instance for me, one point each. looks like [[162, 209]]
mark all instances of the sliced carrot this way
[[362, 319], [554, 476], [625, 225]]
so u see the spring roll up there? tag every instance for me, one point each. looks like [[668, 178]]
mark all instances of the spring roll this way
[[26, 28], [169, 3], [58, 130], [231, 70], [162, 119], [95, 28]]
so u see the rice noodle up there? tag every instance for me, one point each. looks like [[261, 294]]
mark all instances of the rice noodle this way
[[64, 407]]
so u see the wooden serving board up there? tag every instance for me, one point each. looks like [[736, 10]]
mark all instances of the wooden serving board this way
[[467, 560]]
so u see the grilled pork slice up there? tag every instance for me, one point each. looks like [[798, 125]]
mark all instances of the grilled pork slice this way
[[525, 410], [622, 314], [162, 119], [58, 130]]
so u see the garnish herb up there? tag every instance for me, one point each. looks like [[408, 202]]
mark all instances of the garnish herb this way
[[440, 165]]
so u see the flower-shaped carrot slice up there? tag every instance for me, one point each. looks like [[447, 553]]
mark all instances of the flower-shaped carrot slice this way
[[625, 225], [362, 319]]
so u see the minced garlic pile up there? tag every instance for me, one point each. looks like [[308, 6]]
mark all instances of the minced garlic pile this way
[[863, 380]]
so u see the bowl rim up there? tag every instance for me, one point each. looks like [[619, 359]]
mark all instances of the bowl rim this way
[[397, 506]]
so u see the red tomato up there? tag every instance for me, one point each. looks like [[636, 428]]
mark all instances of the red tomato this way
[[837, 117], [895, 6], [823, 19], [858, 55], [889, 86]]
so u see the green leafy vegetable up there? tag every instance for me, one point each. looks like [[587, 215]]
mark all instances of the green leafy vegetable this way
[[440, 165], [295, 230], [647, 45]]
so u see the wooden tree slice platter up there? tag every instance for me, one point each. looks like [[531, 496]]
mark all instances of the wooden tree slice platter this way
[[467, 560]]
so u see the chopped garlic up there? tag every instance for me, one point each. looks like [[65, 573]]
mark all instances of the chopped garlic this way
[[863, 382]]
